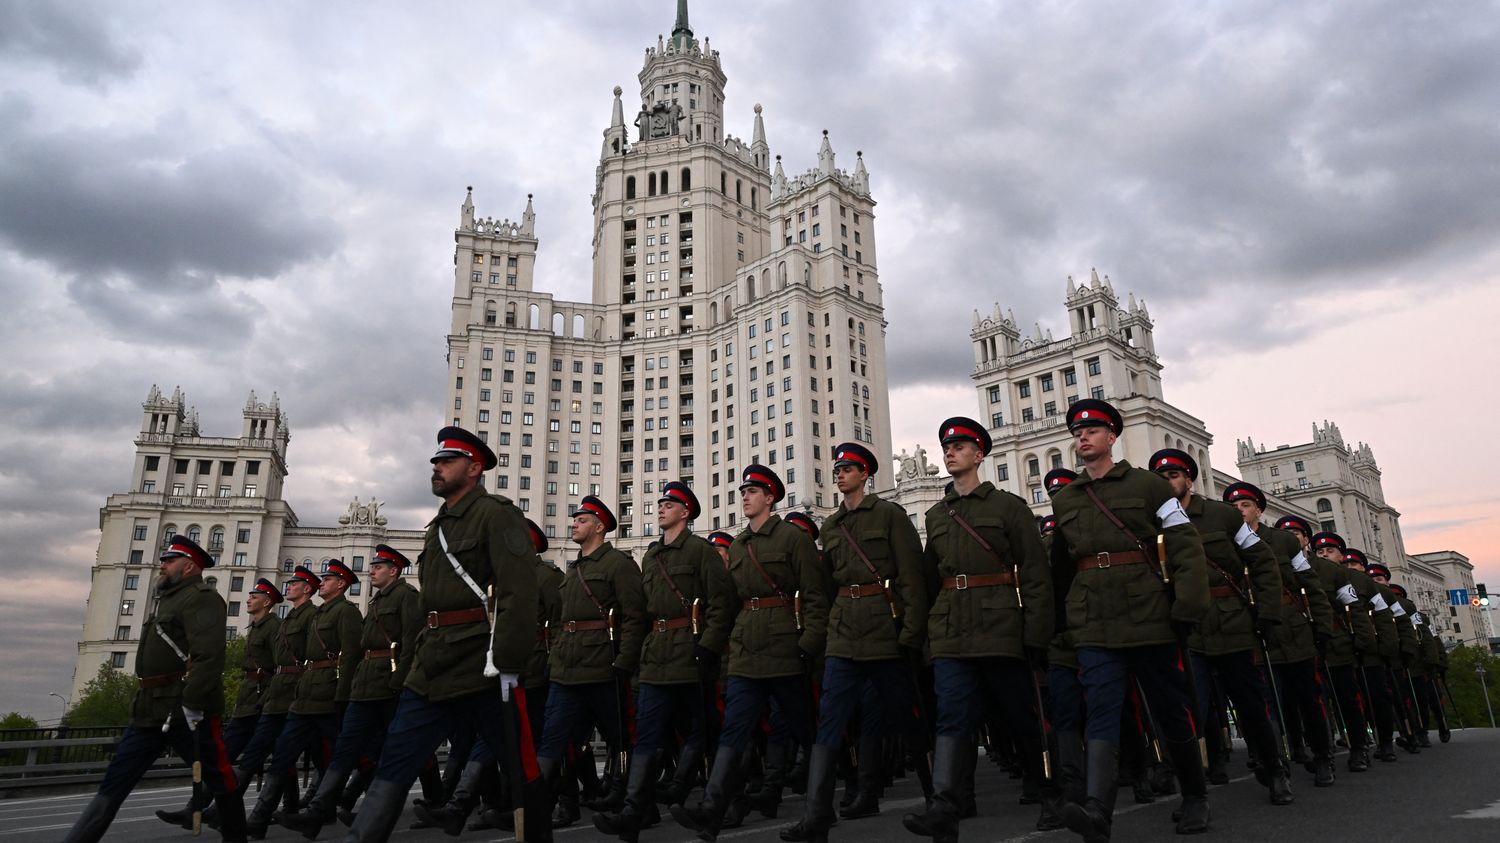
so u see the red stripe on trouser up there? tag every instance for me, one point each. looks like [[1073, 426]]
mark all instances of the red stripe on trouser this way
[[221, 754], [1135, 707], [523, 724], [1191, 715], [1322, 705]]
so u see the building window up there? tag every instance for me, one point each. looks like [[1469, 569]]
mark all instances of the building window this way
[[1097, 393], [1093, 365], [1325, 505], [1275, 471], [139, 533], [1070, 377], [1027, 414], [1024, 389], [127, 607], [132, 582], [117, 660], [995, 395], [122, 633], [1298, 466], [997, 419], [137, 557], [1002, 472], [1046, 383]]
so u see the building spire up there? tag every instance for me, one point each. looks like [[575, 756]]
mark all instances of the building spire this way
[[825, 156], [466, 213], [528, 219], [617, 116], [682, 34]]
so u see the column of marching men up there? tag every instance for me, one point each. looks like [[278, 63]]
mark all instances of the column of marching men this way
[[1120, 640]]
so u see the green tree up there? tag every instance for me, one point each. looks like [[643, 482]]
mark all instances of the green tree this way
[[1463, 682], [17, 726], [105, 700], [234, 655], [17, 720]]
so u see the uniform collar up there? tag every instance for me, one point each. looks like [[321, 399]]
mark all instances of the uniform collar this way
[[765, 528], [381, 592], [262, 622], [981, 491], [1195, 505], [328, 605], [681, 540], [1115, 471], [597, 554], [458, 509]]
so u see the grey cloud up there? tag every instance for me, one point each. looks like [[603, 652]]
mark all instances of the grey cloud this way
[[72, 38]]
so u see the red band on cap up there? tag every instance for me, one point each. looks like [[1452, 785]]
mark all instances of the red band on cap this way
[[963, 431], [755, 477], [679, 496], [590, 507], [1173, 462], [383, 556], [462, 447], [851, 456], [264, 589]]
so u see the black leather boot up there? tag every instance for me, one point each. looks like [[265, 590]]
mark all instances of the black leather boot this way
[[1359, 755], [455, 812], [94, 821], [612, 797], [822, 764], [1188, 765], [627, 823], [1094, 817], [356, 785], [320, 809], [183, 818], [871, 774], [377, 817], [951, 762], [779, 759], [564, 810], [684, 776], [231, 816], [723, 782], [272, 786]]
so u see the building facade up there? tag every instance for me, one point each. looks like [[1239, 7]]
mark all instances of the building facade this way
[[1025, 385], [735, 318], [226, 494]]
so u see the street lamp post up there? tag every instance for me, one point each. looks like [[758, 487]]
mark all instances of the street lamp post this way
[[67, 703], [1479, 669]]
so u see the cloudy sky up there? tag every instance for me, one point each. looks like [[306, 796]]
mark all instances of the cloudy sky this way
[[262, 197]]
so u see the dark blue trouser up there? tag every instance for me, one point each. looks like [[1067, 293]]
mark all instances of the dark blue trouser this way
[[1380, 701], [1350, 698], [267, 729], [574, 711], [1242, 681], [847, 683], [1105, 674], [420, 725], [1302, 706], [1065, 698], [363, 732], [237, 734], [139, 748], [301, 733], [661, 710], [745, 699]]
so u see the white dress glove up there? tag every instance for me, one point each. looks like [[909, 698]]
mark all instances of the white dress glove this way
[[192, 716]]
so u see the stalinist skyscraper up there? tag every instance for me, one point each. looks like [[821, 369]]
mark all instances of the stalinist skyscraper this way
[[736, 318]]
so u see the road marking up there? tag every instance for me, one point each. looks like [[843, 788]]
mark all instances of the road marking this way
[[1489, 812]]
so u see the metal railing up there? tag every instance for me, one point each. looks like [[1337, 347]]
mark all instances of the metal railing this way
[[63, 755]]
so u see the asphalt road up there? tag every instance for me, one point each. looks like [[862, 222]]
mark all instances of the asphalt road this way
[[1447, 793]]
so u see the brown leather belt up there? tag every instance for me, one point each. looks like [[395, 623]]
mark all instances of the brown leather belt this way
[[584, 626], [257, 674], [289, 668], [1110, 560], [378, 654], [1222, 591], [858, 592], [755, 604], [664, 624], [457, 617], [1289, 599], [964, 582], [321, 664], [161, 680]]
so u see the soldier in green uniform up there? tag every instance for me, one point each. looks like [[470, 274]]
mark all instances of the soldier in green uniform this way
[[180, 664], [1245, 586], [258, 668], [390, 631], [989, 625], [1351, 634], [328, 666], [1126, 611], [782, 622], [1411, 665], [690, 606], [876, 627], [1395, 661], [479, 603], [597, 644], [1423, 675], [1373, 677]]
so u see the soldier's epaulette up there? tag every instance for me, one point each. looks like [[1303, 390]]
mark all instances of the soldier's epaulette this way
[[501, 499]]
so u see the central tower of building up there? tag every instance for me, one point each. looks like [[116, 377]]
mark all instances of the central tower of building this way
[[736, 318]]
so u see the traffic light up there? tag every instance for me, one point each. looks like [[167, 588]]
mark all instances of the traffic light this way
[[1484, 597], [1474, 601]]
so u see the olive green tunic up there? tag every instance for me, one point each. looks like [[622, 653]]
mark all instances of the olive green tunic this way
[[260, 655], [393, 618], [1349, 629], [1387, 646], [334, 633], [548, 616], [289, 645], [989, 621], [1295, 640], [1243, 566], [1060, 650], [1125, 605], [862, 628], [489, 537], [764, 643], [694, 568], [191, 615], [1411, 643], [586, 656], [1429, 647]]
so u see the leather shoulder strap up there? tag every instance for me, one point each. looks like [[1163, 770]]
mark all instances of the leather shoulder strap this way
[[953, 513], [661, 568], [750, 548], [589, 592], [859, 551]]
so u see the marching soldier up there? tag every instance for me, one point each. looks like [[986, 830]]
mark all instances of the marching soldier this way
[[1406, 648], [479, 600], [1411, 652], [780, 626], [1064, 694], [1245, 586], [1374, 679], [690, 604], [390, 631], [180, 665], [1423, 671], [322, 692], [597, 645], [990, 622], [1294, 647], [259, 668], [1124, 613], [1351, 635], [875, 630]]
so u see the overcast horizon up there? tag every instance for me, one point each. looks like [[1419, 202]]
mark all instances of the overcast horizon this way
[[228, 199]]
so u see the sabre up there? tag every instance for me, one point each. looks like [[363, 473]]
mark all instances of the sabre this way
[[1265, 655], [1187, 657]]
